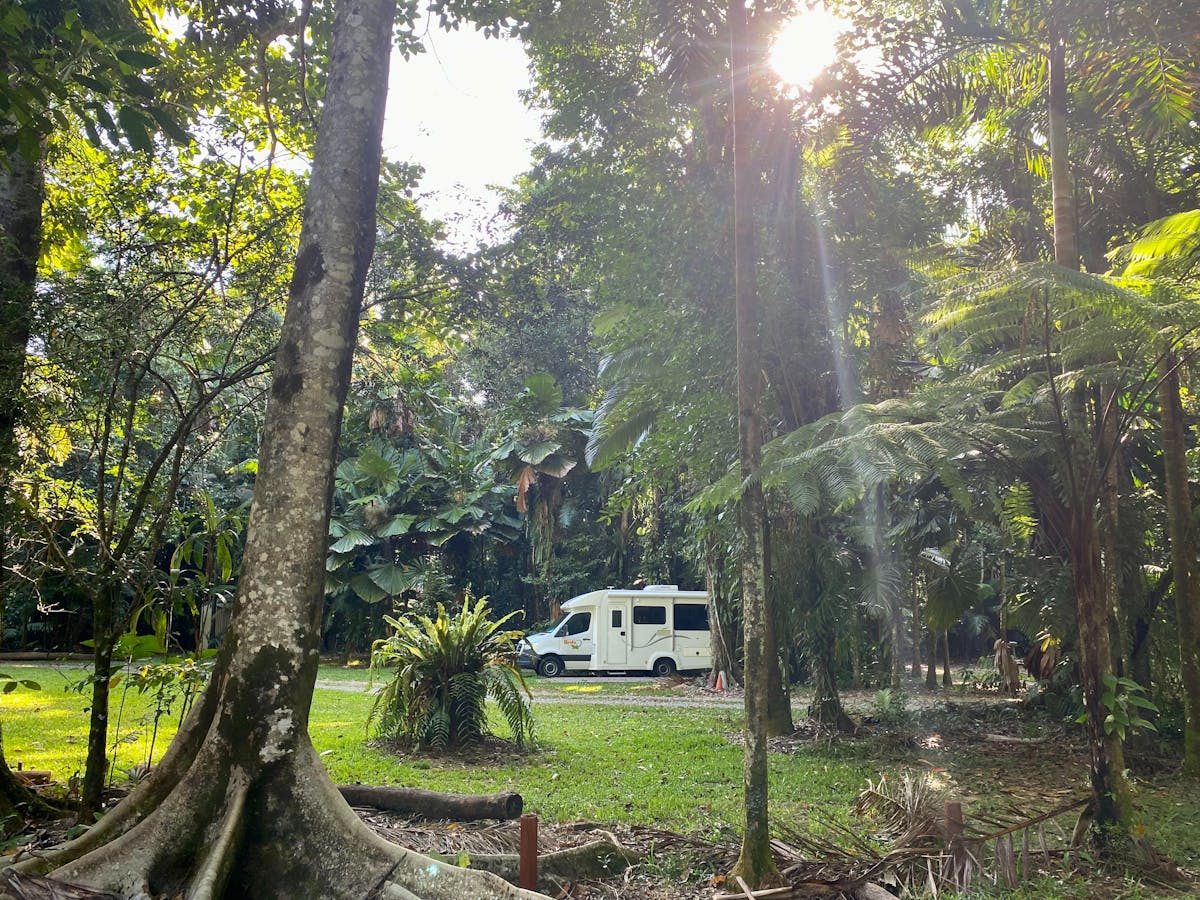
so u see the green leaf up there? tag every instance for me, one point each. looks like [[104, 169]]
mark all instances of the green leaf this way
[[351, 539], [133, 86], [537, 452], [393, 578], [544, 391], [224, 558], [139, 59], [367, 589], [95, 84], [137, 128], [105, 120], [170, 125], [397, 525]]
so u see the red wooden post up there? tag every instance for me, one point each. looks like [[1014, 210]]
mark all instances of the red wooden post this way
[[954, 820], [527, 871]]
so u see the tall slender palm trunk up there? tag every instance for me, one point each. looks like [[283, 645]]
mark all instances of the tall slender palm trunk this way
[[755, 864], [1111, 801], [1183, 557]]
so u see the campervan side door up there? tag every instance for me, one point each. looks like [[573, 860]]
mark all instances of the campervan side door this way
[[693, 641], [616, 627]]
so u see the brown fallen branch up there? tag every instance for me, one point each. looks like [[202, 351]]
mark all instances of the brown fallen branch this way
[[746, 893], [1006, 739], [433, 804], [595, 859]]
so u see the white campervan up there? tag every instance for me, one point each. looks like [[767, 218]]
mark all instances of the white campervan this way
[[659, 628]]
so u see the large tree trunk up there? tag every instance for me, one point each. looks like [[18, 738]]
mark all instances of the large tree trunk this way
[[1183, 558], [22, 190], [1111, 801], [241, 805], [755, 864]]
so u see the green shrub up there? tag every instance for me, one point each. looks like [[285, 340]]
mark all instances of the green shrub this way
[[445, 669], [890, 706]]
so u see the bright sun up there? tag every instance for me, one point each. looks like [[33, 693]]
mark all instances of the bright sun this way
[[806, 45]]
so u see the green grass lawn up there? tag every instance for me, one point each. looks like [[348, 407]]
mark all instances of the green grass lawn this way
[[675, 769]]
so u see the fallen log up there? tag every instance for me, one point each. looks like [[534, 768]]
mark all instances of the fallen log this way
[[30, 777], [1007, 739], [595, 859], [434, 804], [745, 892]]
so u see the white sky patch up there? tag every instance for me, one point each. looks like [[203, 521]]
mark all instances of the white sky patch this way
[[806, 45], [455, 110]]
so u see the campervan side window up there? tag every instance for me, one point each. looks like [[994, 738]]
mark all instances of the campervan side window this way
[[577, 624], [691, 617], [649, 615]]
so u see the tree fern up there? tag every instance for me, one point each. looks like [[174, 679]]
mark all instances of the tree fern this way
[[446, 668]]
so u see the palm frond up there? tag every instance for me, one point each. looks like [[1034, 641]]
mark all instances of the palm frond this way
[[1166, 247]]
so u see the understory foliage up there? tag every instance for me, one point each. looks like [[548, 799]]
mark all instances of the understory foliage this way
[[446, 668]]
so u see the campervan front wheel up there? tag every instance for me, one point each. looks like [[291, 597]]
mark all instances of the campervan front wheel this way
[[550, 667], [663, 667]]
